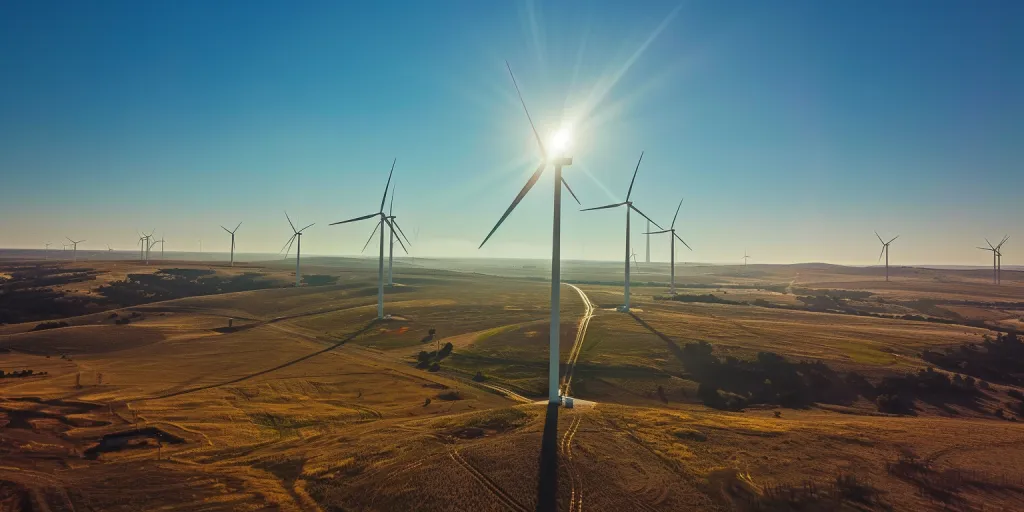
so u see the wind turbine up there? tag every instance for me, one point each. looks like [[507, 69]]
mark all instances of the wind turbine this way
[[560, 143], [997, 257], [382, 219], [161, 242], [109, 249], [149, 246], [629, 207], [394, 225], [200, 249], [885, 250], [635, 263], [232, 233], [994, 260], [74, 252], [46, 251], [672, 244], [296, 236], [745, 258]]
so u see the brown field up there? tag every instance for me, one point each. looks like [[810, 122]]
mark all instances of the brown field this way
[[308, 403]]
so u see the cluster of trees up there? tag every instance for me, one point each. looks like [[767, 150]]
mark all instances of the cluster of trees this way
[[175, 283], [19, 373], [997, 360], [731, 383], [432, 360], [50, 325], [28, 295]]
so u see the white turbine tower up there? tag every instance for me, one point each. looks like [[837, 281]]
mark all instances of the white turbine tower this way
[[648, 241], [46, 251], [672, 245], [560, 143], [629, 207], [232, 233], [382, 219], [997, 257], [74, 253], [399, 236], [161, 242], [296, 237], [885, 251]]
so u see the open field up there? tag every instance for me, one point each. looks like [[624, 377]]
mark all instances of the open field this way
[[306, 402]]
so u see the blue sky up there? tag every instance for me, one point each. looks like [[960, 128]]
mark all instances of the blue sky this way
[[792, 128]]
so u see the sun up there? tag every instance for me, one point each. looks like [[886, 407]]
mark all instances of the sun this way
[[561, 140]]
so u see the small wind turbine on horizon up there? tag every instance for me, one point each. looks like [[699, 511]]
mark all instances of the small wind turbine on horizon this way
[[885, 251], [232, 233], [46, 251], [672, 244], [629, 207], [382, 219], [161, 242], [997, 257], [560, 143], [74, 252], [745, 258], [296, 237]]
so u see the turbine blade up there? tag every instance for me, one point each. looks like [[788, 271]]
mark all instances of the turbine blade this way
[[222, 227], [566, 183], [989, 243], [289, 221], [69, 239], [602, 207], [681, 240], [881, 253], [364, 217], [893, 238], [395, 222], [391, 209], [236, 227], [307, 227], [630, 191], [398, 238], [677, 213], [657, 232], [519, 197], [879, 237], [635, 209], [388, 185], [287, 246], [543, 152], [368, 240]]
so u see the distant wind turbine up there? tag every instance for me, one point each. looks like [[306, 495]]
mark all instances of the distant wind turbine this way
[[745, 258], [560, 143], [394, 225], [232, 233], [885, 251], [74, 253], [382, 219], [46, 251], [997, 257], [672, 244], [161, 242], [296, 237], [635, 264], [629, 207], [648, 241]]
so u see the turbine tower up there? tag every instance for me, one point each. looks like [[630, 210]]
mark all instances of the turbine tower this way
[[629, 207], [672, 245], [382, 219], [885, 251], [560, 144], [74, 251], [232, 233], [648, 241], [997, 259], [46, 251], [296, 237], [161, 242], [391, 251]]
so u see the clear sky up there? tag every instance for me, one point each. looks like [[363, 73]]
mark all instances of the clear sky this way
[[792, 128]]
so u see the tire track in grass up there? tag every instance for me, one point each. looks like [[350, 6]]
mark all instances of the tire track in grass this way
[[575, 479], [491, 486]]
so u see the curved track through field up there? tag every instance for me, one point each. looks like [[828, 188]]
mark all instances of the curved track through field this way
[[577, 345], [495, 490]]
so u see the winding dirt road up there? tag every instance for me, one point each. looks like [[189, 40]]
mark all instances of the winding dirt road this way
[[577, 345]]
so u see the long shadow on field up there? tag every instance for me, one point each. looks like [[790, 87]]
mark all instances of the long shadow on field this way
[[547, 476], [348, 338]]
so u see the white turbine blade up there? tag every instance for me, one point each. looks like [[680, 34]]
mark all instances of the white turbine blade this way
[[893, 238], [368, 240], [677, 214], [681, 240], [397, 237], [236, 228], [635, 209], [307, 227], [289, 221], [225, 229], [989, 244], [630, 191], [395, 222], [543, 152], [567, 187], [881, 253], [879, 237], [602, 207], [519, 197], [388, 185], [287, 245], [657, 232], [391, 209], [364, 217]]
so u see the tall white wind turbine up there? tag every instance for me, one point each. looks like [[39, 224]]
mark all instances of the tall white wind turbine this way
[[46, 251], [672, 245], [296, 237], [558, 160], [629, 208], [885, 251], [382, 220], [74, 251], [399, 235], [232, 233]]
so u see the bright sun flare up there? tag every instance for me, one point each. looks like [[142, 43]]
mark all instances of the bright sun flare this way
[[561, 140]]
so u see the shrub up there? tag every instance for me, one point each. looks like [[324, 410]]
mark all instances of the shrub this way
[[50, 325], [445, 350], [479, 377], [435, 367], [450, 395], [894, 403], [423, 356], [1016, 394]]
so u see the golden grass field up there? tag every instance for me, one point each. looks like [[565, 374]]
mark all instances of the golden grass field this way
[[308, 403]]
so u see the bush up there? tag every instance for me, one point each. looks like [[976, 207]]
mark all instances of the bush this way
[[423, 356], [50, 325], [1016, 394], [445, 350], [479, 377], [435, 367], [894, 404]]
